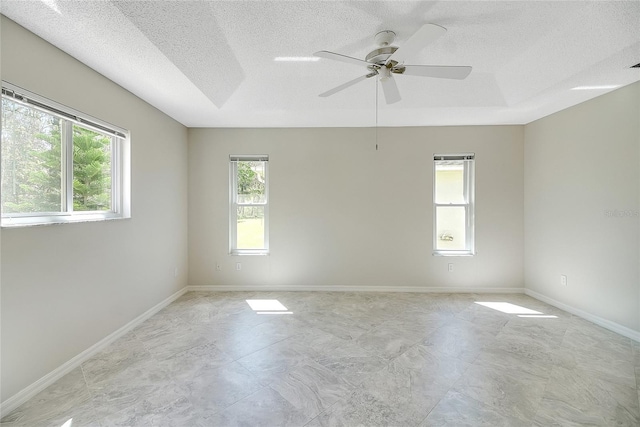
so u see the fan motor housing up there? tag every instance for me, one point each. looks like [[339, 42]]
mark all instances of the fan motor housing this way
[[379, 56]]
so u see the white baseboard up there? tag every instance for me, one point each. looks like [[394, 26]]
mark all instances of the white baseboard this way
[[31, 390], [608, 324], [329, 288]]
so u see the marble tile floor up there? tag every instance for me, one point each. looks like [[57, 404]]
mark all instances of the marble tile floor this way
[[351, 359]]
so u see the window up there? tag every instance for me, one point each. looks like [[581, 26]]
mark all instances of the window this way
[[58, 165], [249, 207], [453, 200]]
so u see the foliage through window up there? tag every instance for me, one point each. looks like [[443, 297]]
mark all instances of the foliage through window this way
[[55, 166], [31, 160], [91, 170], [453, 197], [249, 208]]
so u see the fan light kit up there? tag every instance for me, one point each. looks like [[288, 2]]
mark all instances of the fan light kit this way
[[387, 60]]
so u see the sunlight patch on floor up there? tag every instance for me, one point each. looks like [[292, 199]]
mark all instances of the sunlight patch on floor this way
[[508, 308], [268, 306]]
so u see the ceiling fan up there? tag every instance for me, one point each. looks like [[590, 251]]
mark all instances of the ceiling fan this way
[[388, 60]]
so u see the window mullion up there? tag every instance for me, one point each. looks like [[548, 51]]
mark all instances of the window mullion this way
[[451, 205], [66, 174], [233, 211], [467, 223], [266, 206], [115, 177], [465, 180]]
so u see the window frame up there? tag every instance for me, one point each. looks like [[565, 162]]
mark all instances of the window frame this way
[[234, 204], [120, 163], [469, 204]]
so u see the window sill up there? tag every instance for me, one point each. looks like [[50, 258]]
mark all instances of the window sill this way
[[454, 253], [33, 221], [243, 253]]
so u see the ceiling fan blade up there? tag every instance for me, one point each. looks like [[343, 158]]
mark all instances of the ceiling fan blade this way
[[339, 57], [390, 89], [345, 85], [426, 35], [438, 71]]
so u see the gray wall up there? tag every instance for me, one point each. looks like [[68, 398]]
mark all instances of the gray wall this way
[[65, 287], [344, 214], [580, 164]]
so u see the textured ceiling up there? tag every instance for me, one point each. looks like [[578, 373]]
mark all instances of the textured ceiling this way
[[211, 63]]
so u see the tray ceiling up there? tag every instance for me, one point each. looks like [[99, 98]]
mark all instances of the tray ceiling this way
[[212, 63]]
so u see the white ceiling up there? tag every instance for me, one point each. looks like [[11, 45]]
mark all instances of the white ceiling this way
[[211, 63]]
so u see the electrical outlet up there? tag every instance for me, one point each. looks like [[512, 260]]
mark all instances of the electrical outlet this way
[[563, 280], [238, 266], [450, 267], [175, 272]]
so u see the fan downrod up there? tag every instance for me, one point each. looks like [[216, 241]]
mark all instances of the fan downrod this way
[[385, 38]]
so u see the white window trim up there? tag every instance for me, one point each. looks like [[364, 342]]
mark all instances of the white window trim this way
[[233, 205], [469, 192], [120, 161]]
